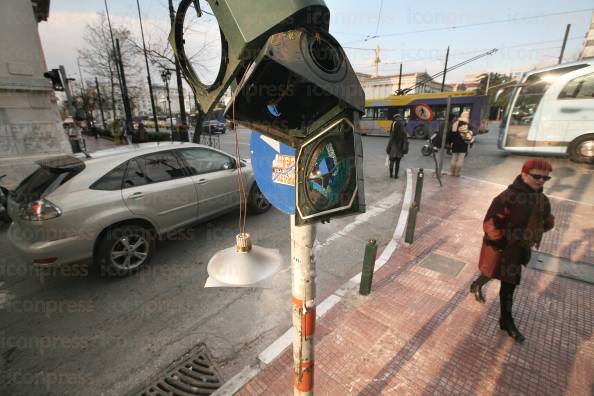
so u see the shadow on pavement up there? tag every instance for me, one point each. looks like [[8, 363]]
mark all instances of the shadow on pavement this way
[[406, 353]]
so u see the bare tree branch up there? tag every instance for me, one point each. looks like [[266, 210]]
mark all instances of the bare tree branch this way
[[98, 58]]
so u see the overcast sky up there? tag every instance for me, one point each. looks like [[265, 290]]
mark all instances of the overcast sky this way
[[416, 34]]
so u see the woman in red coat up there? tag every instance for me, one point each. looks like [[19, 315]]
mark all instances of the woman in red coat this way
[[515, 222]]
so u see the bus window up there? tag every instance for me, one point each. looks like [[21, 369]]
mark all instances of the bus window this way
[[406, 114], [528, 100], [579, 88], [467, 108], [381, 113], [455, 111], [403, 111], [438, 112], [376, 113]]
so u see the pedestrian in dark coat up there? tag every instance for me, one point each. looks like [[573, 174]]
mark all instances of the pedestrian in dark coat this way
[[397, 145], [514, 224]]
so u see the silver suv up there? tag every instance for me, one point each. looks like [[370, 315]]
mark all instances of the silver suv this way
[[114, 205]]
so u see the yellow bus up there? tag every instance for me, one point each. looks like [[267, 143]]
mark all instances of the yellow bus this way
[[380, 112]]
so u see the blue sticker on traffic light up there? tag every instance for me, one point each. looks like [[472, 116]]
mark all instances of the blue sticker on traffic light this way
[[274, 167]]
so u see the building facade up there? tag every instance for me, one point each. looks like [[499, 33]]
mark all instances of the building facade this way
[[588, 49], [160, 94], [377, 87], [30, 123]]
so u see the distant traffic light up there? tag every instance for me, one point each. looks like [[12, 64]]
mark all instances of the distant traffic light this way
[[54, 75]]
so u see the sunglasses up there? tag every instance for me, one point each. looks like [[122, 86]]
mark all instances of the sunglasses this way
[[540, 177]]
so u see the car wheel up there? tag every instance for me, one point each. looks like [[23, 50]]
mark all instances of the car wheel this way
[[257, 202], [124, 250], [582, 149], [421, 132]]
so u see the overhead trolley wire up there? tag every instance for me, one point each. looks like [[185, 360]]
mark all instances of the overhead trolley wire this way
[[470, 25]]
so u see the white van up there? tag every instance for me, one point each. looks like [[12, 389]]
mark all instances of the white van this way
[[551, 111]]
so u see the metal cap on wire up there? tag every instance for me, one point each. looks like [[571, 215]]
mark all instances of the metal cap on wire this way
[[244, 242]]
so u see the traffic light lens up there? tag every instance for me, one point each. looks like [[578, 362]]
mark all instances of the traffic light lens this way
[[273, 110], [325, 53], [330, 172]]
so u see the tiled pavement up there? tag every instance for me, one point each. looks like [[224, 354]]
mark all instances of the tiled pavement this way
[[421, 333], [97, 144]]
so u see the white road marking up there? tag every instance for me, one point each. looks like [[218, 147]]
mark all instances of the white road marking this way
[[379, 208]]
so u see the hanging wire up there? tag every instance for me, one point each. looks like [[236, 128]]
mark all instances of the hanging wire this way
[[240, 179], [470, 25], [379, 17]]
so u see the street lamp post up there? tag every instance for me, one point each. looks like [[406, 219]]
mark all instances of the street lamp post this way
[[166, 76], [180, 88]]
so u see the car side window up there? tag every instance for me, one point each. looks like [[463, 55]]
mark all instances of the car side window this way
[[134, 175], [112, 180], [160, 167], [579, 88], [202, 160]]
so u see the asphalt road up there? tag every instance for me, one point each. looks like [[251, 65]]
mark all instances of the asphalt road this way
[[72, 332]]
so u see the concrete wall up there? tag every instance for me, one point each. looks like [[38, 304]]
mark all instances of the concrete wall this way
[[30, 124]]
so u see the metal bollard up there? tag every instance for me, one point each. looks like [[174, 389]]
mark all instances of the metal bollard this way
[[411, 223], [419, 188], [368, 267]]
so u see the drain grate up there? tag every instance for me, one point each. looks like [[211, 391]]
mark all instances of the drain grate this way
[[195, 376], [443, 264]]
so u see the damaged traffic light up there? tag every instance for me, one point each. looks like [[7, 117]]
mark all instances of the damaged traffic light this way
[[293, 83]]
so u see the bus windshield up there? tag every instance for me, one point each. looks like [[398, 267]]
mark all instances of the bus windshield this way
[[531, 93]]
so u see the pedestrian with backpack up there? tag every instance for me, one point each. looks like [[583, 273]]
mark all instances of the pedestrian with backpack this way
[[459, 138]]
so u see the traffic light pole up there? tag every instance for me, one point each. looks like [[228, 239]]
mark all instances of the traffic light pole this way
[[71, 108], [100, 103], [180, 88], [148, 71], [126, 99], [303, 275], [169, 107], [444, 136]]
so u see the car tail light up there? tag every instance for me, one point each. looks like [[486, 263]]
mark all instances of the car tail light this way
[[39, 210]]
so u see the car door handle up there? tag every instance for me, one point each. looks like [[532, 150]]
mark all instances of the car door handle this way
[[137, 195], [202, 181]]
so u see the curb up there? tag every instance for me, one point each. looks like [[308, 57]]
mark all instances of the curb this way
[[280, 344]]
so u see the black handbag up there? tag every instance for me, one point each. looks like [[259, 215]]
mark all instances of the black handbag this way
[[405, 147]]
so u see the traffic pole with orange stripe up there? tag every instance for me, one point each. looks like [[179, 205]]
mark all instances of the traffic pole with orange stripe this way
[[303, 275]]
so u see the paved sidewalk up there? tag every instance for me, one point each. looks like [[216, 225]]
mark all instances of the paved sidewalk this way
[[421, 333], [98, 144]]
